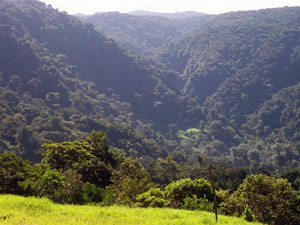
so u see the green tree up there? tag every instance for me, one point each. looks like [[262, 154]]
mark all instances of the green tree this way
[[272, 200], [293, 176], [130, 180], [177, 191], [91, 158], [44, 182], [13, 170]]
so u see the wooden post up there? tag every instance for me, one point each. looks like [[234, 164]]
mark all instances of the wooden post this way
[[214, 192], [200, 160]]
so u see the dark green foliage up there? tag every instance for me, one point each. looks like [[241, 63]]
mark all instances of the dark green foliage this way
[[61, 79], [13, 170], [90, 157], [143, 34], [225, 176], [165, 171], [229, 90], [293, 176], [93, 194], [272, 200], [242, 70], [72, 191], [249, 216], [86, 171], [129, 181]]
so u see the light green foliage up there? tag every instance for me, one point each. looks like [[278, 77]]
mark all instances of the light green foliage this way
[[152, 198], [20, 210], [44, 182], [188, 138], [179, 190]]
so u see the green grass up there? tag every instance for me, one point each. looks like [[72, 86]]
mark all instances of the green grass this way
[[15, 210]]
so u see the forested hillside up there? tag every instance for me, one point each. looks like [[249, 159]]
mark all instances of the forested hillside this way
[[84, 120], [60, 79], [243, 70], [143, 32], [224, 86]]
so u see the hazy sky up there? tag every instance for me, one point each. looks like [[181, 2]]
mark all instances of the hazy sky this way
[[207, 6]]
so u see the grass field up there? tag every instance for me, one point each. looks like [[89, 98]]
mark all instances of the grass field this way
[[15, 210]]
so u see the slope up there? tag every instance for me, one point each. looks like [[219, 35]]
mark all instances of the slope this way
[[41, 211], [144, 34], [232, 66], [61, 78]]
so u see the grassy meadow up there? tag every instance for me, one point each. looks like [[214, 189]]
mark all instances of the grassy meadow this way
[[15, 210]]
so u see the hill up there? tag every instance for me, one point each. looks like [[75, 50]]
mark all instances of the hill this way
[[143, 33], [228, 88], [60, 79], [235, 68], [14, 209], [176, 15]]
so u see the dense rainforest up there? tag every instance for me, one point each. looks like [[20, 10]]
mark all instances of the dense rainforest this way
[[144, 33], [134, 108], [226, 86], [240, 74]]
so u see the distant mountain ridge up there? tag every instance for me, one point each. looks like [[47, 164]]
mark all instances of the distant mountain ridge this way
[[176, 15], [144, 34]]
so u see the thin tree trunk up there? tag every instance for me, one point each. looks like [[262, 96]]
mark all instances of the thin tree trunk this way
[[214, 192]]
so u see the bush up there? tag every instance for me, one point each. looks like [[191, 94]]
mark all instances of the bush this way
[[92, 194], [191, 203], [201, 204], [44, 182], [249, 215], [152, 198], [186, 188]]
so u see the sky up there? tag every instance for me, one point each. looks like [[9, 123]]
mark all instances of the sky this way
[[206, 6]]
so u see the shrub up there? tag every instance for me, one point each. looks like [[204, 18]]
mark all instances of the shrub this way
[[92, 194], [191, 203], [202, 204], [44, 182], [179, 190], [152, 198], [249, 215]]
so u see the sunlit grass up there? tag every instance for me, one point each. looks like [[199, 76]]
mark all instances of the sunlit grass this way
[[15, 210]]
